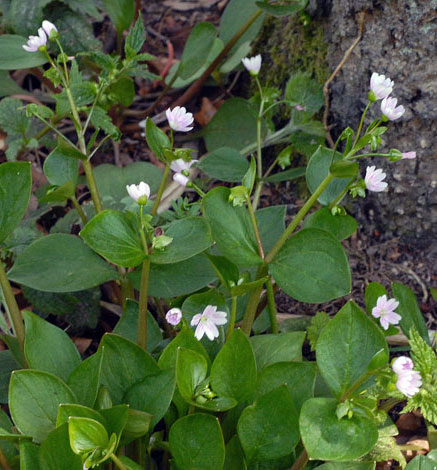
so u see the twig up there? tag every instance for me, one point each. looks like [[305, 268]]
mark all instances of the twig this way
[[335, 72]]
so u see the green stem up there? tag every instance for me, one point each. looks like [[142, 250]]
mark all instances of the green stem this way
[[17, 318], [259, 168], [98, 146], [118, 462], [361, 124], [196, 188], [161, 189], [389, 404], [231, 325], [301, 461], [339, 197], [249, 315], [299, 217], [272, 306], [255, 227], [92, 185], [79, 209], [142, 309], [53, 128]]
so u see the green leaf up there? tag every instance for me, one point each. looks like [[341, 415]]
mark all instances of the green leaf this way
[[191, 370], [268, 429], [326, 437], [196, 442], [409, 310], [231, 228], [69, 150], [249, 178], [7, 364], [55, 452], [288, 8], [86, 434], [340, 226], [34, 397], [153, 395], [312, 267], [224, 164], [115, 418], [287, 175], [373, 291], [60, 168], [347, 466], [116, 236], [135, 39], [282, 347], [137, 425], [344, 169], [318, 169], [346, 346], [124, 364], [28, 452], [14, 57], [9, 86], [49, 348], [305, 91], [234, 459], [197, 49], [299, 377], [121, 13], [318, 322], [420, 462], [271, 225], [60, 263], [233, 123], [66, 411], [15, 187], [228, 378], [191, 236], [123, 91], [101, 120], [59, 194], [156, 139]]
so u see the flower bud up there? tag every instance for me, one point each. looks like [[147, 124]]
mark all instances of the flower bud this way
[[50, 29], [139, 193], [253, 64]]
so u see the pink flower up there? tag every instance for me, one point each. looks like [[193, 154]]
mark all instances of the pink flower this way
[[389, 109], [139, 192], [402, 364], [181, 169], [380, 85], [409, 383], [179, 119], [385, 311], [35, 42], [206, 322], [374, 179], [174, 316], [252, 64], [408, 155]]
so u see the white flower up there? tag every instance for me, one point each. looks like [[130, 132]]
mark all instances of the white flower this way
[[380, 85], [50, 29], [180, 167], [374, 179], [179, 119], [409, 383], [35, 42], [402, 364], [139, 192], [408, 155], [389, 109], [252, 64], [206, 322], [174, 316], [385, 311]]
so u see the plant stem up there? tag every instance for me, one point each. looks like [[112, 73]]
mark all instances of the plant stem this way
[[79, 209], [142, 308], [118, 462], [92, 185], [301, 461], [252, 305], [161, 189], [389, 404], [361, 124], [272, 306], [259, 168], [232, 317], [17, 318], [255, 227]]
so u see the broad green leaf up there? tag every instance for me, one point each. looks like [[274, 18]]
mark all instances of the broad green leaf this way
[[197, 49], [227, 271], [28, 456], [86, 434], [15, 187], [305, 91], [224, 164], [268, 429], [116, 236], [7, 364], [347, 466], [9, 86], [326, 437], [234, 458], [55, 452], [282, 10], [157, 139], [13, 56], [421, 462], [228, 377], [299, 377], [34, 397], [231, 228], [49, 348], [318, 169], [136, 37], [60, 169], [191, 236], [137, 425], [191, 370], [282, 347], [100, 119], [66, 411], [196, 442], [287, 175], [409, 310], [346, 347], [153, 394], [234, 123], [121, 13], [123, 91], [59, 194], [116, 418], [312, 267], [124, 364], [60, 263], [271, 225], [341, 226]]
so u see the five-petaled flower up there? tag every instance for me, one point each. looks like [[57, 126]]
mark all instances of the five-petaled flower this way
[[409, 381], [181, 169], [174, 316], [206, 322], [139, 192], [390, 110], [385, 311], [252, 64], [408, 155], [380, 86], [179, 119], [374, 179], [35, 42]]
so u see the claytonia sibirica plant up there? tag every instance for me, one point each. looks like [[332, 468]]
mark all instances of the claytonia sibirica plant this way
[[195, 370], [390, 109]]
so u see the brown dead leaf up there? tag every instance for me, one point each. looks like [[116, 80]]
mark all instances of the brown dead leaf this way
[[82, 344], [408, 423], [206, 113]]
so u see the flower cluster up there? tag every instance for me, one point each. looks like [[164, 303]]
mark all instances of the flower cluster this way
[[380, 89], [385, 310], [47, 31], [409, 381]]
